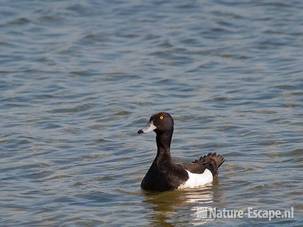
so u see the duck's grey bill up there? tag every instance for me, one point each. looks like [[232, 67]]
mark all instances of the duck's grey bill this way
[[150, 127]]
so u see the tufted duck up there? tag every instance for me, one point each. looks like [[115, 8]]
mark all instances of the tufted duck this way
[[165, 174]]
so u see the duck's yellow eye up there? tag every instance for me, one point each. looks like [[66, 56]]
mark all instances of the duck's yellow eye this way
[[161, 117]]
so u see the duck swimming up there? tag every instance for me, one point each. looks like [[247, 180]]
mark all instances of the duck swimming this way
[[165, 174]]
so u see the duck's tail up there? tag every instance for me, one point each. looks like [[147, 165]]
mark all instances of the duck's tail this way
[[213, 161]]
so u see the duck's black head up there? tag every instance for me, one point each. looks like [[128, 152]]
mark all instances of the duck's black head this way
[[161, 122]]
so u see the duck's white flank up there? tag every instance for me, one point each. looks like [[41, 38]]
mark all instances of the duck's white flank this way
[[197, 179]]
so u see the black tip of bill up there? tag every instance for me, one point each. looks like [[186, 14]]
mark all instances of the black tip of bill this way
[[140, 131]]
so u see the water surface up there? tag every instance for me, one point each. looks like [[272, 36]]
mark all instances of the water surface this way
[[78, 79]]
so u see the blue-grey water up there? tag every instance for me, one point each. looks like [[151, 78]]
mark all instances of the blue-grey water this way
[[79, 78]]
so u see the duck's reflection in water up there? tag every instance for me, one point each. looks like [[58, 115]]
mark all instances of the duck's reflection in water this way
[[182, 207]]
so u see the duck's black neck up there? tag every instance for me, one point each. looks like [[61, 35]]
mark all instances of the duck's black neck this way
[[163, 144]]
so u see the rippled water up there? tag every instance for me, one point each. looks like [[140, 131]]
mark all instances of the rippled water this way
[[79, 79]]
